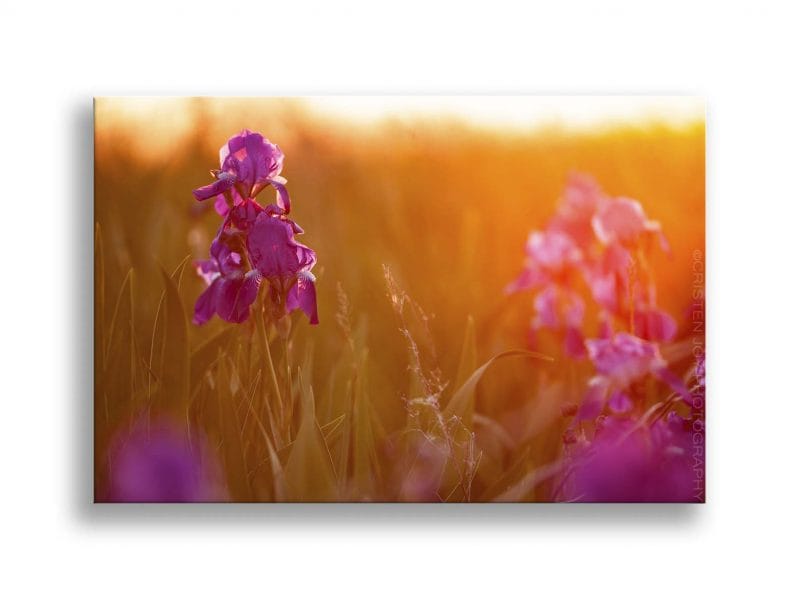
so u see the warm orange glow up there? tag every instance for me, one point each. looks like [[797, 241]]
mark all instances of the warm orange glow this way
[[442, 191]]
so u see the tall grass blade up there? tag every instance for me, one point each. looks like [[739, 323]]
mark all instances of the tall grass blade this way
[[309, 469], [175, 374], [469, 354], [462, 403], [204, 356]]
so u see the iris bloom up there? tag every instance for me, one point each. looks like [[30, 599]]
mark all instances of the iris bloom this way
[[224, 202], [248, 163], [560, 309], [621, 360], [653, 324], [254, 243], [608, 277], [622, 221], [230, 290], [578, 205], [624, 358], [548, 255], [619, 226], [284, 263], [551, 255]]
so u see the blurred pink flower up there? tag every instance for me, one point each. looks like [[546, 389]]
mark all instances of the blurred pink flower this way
[[653, 324], [624, 358], [559, 309], [574, 214], [548, 255], [556, 308], [622, 221], [621, 360], [608, 277], [552, 250]]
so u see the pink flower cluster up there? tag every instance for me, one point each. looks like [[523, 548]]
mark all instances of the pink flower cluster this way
[[594, 238], [593, 251], [254, 243]]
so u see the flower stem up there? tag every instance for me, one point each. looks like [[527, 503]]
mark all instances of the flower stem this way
[[268, 356]]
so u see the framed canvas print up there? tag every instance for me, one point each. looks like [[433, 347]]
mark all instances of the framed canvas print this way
[[400, 299]]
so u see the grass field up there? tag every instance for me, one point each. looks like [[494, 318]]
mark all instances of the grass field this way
[[407, 389]]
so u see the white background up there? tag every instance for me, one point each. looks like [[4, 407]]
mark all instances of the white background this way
[[743, 57]]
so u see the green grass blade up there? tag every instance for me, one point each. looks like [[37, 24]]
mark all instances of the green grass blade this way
[[309, 469], [204, 356], [462, 402], [469, 354], [175, 370]]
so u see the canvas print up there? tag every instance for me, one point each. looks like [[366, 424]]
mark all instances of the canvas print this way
[[399, 299]]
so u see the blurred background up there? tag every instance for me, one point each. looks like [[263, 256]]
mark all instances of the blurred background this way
[[442, 191]]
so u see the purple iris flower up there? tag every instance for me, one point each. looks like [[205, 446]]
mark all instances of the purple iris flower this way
[[156, 462], [254, 243], [285, 263], [231, 290], [624, 358], [248, 163], [621, 360], [242, 213], [303, 296]]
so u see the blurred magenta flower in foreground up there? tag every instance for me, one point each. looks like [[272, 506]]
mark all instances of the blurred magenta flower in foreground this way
[[630, 463], [156, 462]]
